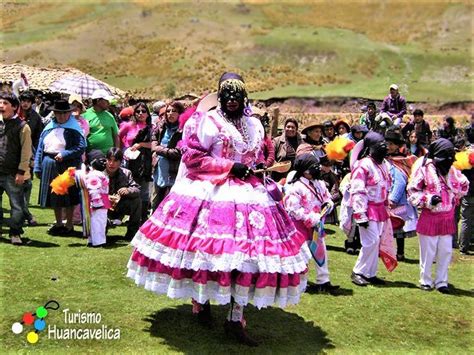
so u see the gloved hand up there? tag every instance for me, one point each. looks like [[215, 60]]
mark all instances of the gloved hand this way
[[240, 170], [435, 200], [363, 224]]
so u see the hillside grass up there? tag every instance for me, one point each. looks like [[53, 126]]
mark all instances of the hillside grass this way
[[290, 49], [395, 318]]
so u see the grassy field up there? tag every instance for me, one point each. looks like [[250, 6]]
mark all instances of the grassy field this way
[[395, 318], [283, 49]]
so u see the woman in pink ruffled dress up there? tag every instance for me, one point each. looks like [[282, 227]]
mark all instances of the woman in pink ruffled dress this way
[[219, 236]]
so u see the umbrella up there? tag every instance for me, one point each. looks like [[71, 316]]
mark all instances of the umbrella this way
[[83, 85]]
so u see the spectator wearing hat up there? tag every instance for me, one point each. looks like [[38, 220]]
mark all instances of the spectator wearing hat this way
[[400, 168], [313, 141], [342, 128], [357, 132], [61, 146], [15, 156], [125, 115], [329, 131], [287, 144], [34, 120], [394, 105], [103, 133], [420, 126]]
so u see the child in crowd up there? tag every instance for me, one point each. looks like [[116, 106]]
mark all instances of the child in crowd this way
[[97, 185], [306, 197], [436, 187]]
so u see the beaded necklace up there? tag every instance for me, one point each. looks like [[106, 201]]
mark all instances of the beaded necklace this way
[[241, 139]]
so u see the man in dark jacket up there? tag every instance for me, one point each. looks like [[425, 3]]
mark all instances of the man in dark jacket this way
[[35, 122], [124, 192], [421, 127], [394, 105]]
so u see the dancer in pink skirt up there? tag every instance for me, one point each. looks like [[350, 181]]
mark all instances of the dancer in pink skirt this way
[[436, 187], [219, 236]]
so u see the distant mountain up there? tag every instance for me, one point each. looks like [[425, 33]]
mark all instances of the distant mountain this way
[[290, 49]]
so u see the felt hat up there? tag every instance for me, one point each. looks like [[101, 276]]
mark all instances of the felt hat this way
[[61, 106], [310, 126], [344, 123]]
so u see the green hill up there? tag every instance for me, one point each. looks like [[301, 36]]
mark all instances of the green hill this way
[[290, 49]]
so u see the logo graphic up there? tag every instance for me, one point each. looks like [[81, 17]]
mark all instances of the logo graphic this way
[[36, 319]]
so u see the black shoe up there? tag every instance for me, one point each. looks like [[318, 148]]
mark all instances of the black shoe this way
[[69, 232], [464, 252], [350, 251], [444, 290], [204, 316], [376, 281], [400, 257], [359, 280], [426, 288], [57, 230], [237, 331], [326, 287]]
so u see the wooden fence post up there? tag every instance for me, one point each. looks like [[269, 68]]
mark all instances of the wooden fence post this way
[[275, 121]]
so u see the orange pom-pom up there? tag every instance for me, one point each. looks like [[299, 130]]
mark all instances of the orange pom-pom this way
[[63, 182], [339, 148]]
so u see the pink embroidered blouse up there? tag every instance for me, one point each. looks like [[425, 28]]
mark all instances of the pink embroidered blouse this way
[[370, 185]]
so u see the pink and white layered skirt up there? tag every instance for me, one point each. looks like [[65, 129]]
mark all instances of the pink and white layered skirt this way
[[212, 243]]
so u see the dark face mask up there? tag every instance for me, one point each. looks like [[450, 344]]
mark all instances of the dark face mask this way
[[226, 95], [378, 152], [444, 164], [315, 171]]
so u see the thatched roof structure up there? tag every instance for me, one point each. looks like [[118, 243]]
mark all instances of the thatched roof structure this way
[[42, 78]]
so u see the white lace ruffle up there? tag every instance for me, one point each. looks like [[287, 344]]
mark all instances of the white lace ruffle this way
[[224, 262], [212, 291]]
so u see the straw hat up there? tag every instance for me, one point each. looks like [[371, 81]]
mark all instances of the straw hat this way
[[310, 126]]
